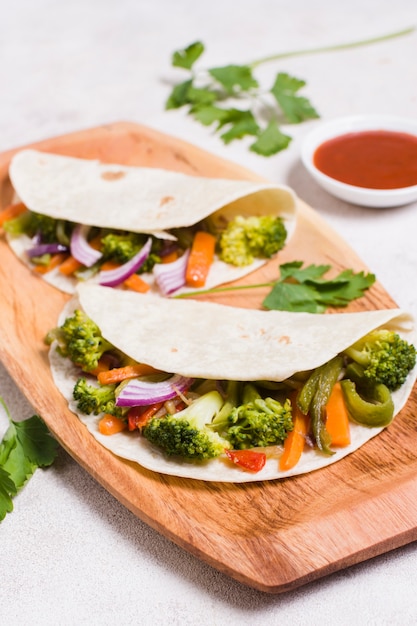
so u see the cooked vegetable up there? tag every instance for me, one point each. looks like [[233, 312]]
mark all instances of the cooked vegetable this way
[[80, 247], [80, 339], [11, 211], [314, 396], [186, 433], [247, 238], [121, 247], [337, 417], [136, 283], [372, 406], [46, 263], [200, 259], [141, 392], [296, 439], [96, 399], [382, 356], [117, 374], [248, 459], [116, 276], [257, 422], [171, 276], [110, 424]]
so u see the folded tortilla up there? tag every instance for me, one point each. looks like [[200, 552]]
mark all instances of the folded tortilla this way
[[139, 199], [219, 342]]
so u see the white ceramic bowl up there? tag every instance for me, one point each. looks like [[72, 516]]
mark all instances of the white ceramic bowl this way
[[378, 198]]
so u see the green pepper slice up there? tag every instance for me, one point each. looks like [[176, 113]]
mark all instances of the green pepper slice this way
[[373, 408], [314, 397]]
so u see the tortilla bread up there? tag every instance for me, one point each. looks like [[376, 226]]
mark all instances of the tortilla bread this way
[[221, 342], [138, 199]]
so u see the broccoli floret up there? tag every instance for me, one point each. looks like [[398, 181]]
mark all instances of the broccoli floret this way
[[186, 434], [80, 340], [257, 422], [31, 224], [382, 356], [246, 238], [93, 399], [121, 247]]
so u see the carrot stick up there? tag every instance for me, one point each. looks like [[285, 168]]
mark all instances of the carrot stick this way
[[117, 374], [110, 424], [139, 416], [11, 211], [56, 260], [136, 283], [69, 266], [109, 265], [200, 259], [295, 441], [337, 420], [170, 258], [103, 365]]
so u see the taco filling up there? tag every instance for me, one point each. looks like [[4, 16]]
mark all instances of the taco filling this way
[[179, 405], [141, 228]]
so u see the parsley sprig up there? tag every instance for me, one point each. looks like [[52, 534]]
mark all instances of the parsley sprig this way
[[305, 289], [212, 96], [26, 446]]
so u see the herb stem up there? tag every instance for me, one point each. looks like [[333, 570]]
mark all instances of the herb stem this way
[[201, 292], [333, 48]]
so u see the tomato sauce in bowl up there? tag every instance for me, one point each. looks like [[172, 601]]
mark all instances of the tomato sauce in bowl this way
[[369, 160], [375, 159]]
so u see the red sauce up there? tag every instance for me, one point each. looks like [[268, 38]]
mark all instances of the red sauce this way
[[375, 159]]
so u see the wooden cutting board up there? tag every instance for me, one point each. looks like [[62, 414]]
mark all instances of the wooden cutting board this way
[[272, 536]]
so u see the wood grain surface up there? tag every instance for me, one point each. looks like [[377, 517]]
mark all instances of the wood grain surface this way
[[273, 536]]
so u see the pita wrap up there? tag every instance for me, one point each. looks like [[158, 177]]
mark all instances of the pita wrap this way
[[139, 199], [219, 342]]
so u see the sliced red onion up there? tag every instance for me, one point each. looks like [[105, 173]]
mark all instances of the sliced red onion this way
[[81, 249], [112, 278], [141, 393], [171, 276], [46, 248]]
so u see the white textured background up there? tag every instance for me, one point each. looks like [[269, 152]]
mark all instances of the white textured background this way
[[69, 553]]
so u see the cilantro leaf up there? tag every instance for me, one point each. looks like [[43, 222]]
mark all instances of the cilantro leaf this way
[[36, 442], [234, 78], [306, 289], [295, 108], [210, 97], [270, 141], [233, 81], [295, 297], [179, 95], [7, 491], [188, 56], [26, 446]]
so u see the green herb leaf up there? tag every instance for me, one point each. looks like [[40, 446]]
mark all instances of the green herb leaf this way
[[188, 56], [26, 446], [306, 289], [293, 297], [37, 443], [295, 108], [234, 78], [7, 491], [218, 85], [270, 141], [179, 95]]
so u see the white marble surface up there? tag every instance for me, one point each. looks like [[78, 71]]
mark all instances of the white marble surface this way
[[70, 554]]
